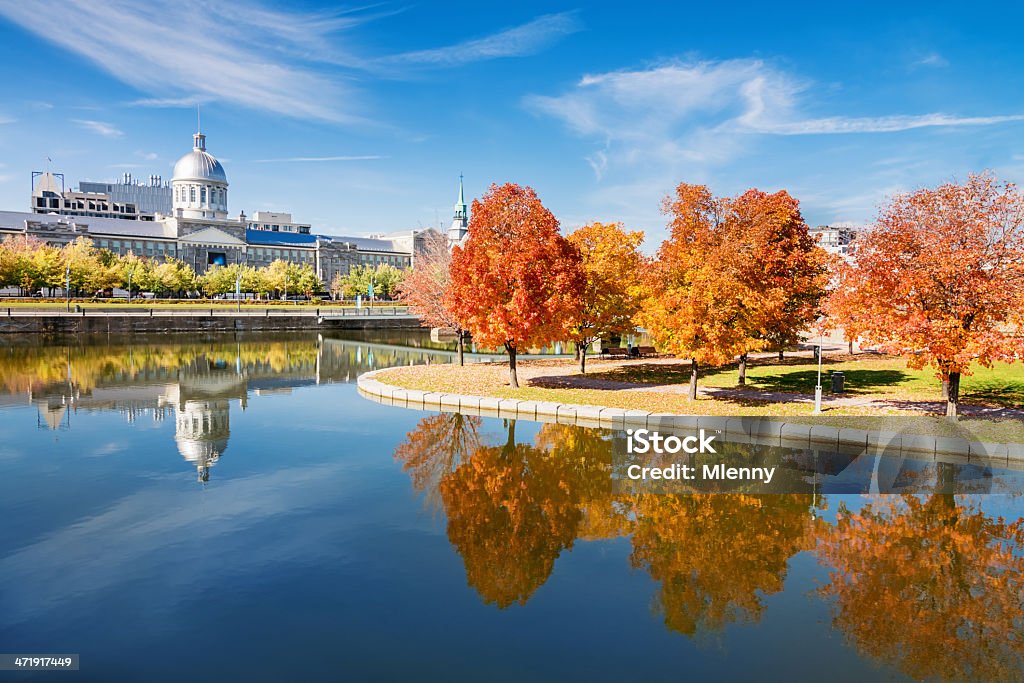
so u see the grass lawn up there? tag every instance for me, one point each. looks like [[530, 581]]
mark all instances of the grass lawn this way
[[487, 379], [867, 376]]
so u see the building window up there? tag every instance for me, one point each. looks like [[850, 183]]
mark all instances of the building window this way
[[192, 193], [202, 195]]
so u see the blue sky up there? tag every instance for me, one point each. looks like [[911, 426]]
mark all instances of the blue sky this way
[[360, 118]]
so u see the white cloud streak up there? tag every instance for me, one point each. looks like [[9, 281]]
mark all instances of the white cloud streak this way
[[527, 39], [366, 157], [107, 130], [707, 111], [196, 50]]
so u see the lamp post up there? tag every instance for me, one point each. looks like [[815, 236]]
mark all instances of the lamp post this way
[[817, 389], [67, 285], [130, 272], [238, 281]]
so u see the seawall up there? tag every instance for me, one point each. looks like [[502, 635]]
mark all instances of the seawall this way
[[149, 322]]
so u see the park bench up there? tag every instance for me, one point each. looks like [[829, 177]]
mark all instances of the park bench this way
[[614, 351], [645, 351]]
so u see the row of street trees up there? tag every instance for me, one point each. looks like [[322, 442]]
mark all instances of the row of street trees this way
[[33, 265], [385, 280], [939, 279]]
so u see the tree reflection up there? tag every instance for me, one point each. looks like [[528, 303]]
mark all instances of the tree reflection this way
[[716, 555], [931, 586], [511, 511], [438, 445]]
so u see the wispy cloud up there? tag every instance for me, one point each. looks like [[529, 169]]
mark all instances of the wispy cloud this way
[[365, 157], [4, 119], [100, 128], [193, 49], [168, 102], [707, 112], [932, 59], [527, 39]]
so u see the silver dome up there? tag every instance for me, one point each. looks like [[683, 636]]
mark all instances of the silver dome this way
[[199, 165]]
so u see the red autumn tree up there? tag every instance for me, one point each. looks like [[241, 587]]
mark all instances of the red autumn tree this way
[[517, 282], [612, 265], [424, 287], [784, 272], [694, 306], [940, 277]]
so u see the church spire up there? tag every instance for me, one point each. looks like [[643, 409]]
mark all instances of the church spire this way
[[460, 221]]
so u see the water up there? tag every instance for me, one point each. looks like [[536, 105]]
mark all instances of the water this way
[[231, 509]]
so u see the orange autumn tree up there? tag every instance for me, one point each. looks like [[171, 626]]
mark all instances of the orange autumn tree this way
[[424, 287], [939, 279], [784, 272], [694, 306], [612, 265], [929, 585], [517, 282]]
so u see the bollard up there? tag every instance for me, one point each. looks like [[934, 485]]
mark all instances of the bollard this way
[[211, 312], [151, 313], [268, 312]]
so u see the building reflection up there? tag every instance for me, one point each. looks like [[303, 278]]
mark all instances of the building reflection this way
[[198, 384]]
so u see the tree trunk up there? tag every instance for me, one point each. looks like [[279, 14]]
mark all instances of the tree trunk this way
[[945, 388], [577, 350], [462, 347], [851, 347], [782, 354], [953, 400], [743, 370], [581, 350], [513, 379], [693, 379]]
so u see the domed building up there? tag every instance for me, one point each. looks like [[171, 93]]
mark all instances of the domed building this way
[[199, 188], [199, 201]]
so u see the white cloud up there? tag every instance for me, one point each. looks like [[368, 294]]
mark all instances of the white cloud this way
[[148, 156], [526, 39], [100, 128], [933, 59], [366, 157], [706, 112], [193, 49]]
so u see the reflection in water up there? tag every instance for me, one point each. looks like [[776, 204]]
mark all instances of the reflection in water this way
[[195, 380], [930, 585]]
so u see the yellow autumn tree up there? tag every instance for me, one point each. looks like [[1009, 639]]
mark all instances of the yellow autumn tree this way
[[613, 266]]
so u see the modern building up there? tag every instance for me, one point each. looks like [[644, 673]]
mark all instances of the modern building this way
[[834, 239], [149, 198], [188, 220], [274, 221]]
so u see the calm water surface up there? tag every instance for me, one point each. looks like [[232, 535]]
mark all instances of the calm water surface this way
[[231, 509]]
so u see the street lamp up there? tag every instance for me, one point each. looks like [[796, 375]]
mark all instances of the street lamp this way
[[67, 285], [130, 272], [817, 389], [238, 281]]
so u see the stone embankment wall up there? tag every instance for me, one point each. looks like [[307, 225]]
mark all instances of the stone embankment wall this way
[[198, 322]]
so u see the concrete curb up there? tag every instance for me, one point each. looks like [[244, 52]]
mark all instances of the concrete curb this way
[[755, 430]]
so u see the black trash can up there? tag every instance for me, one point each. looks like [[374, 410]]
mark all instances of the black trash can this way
[[838, 381]]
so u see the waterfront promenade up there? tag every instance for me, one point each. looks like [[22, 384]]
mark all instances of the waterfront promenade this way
[[141, 318]]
